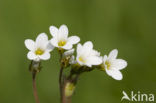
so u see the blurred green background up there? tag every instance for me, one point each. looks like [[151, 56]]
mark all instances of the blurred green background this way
[[128, 25]]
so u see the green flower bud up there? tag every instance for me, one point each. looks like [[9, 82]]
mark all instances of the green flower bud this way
[[69, 89]]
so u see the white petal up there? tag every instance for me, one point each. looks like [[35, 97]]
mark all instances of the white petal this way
[[68, 53], [82, 50], [88, 64], [50, 47], [85, 49], [54, 42], [63, 32], [104, 58], [95, 53], [45, 56], [73, 39], [114, 74], [41, 37], [117, 75], [109, 72], [79, 49], [30, 44], [113, 54], [53, 31], [119, 64], [42, 40], [67, 46], [78, 61], [31, 56], [94, 60], [88, 45]]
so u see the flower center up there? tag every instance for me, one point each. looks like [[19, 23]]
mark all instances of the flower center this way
[[108, 64], [81, 59], [61, 43], [39, 51]]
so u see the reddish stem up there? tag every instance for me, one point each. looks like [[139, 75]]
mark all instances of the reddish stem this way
[[34, 87]]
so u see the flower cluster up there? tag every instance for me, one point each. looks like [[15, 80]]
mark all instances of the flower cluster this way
[[86, 59]]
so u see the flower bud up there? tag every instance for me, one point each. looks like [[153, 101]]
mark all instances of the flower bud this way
[[68, 53], [66, 57], [35, 66], [69, 89]]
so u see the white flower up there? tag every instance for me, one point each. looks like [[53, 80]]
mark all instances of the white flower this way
[[86, 55], [113, 65], [39, 49], [60, 37]]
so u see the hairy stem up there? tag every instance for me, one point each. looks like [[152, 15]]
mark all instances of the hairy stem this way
[[61, 82], [34, 87], [61, 78]]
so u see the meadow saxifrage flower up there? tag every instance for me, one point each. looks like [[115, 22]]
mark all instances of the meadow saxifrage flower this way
[[60, 37], [87, 56], [113, 65], [39, 49]]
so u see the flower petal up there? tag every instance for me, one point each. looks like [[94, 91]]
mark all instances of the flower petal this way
[[50, 47], [113, 54], [79, 49], [42, 41], [73, 39], [94, 60], [114, 74], [85, 49], [117, 75], [67, 46], [104, 58], [95, 53], [88, 64], [88, 45], [78, 61], [53, 31], [30, 44], [31, 56], [108, 71], [45, 56], [119, 64], [42, 37], [68, 53], [63, 32], [54, 42]]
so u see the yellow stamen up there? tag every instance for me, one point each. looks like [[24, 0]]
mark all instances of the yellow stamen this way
[[39, 51], [61, 43], [108, 64], [82, 59]]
